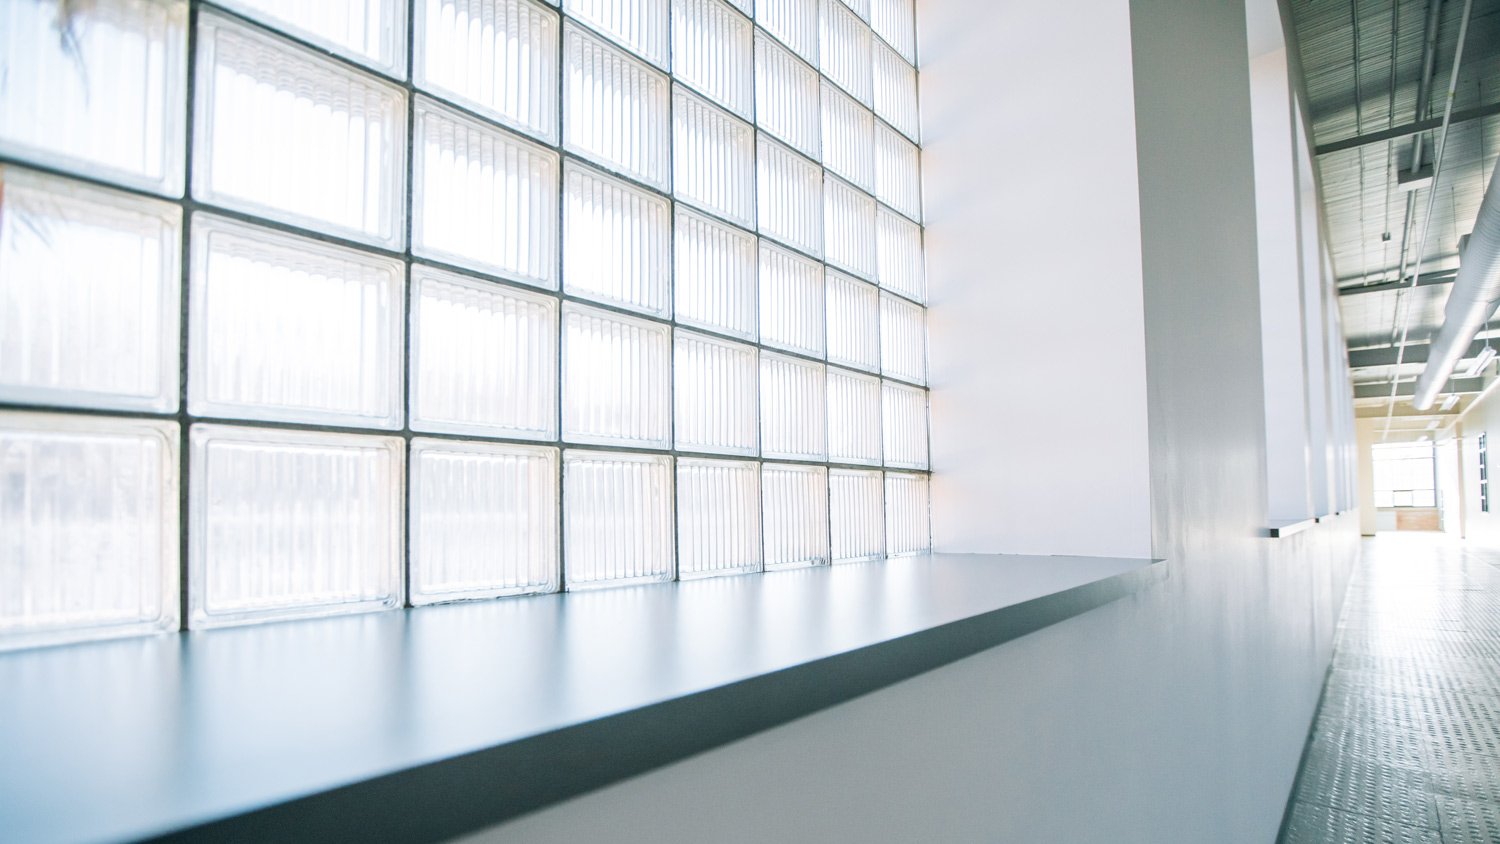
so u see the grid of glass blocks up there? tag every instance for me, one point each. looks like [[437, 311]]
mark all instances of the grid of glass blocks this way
[[452, 299]]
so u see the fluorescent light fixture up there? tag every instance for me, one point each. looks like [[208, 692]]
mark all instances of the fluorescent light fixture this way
[[1479, 363]]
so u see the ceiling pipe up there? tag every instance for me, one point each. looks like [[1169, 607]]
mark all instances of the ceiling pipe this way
[[1476, 292]]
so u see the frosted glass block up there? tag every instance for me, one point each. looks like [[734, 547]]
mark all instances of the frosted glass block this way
[[793, 22], [898, 255], [793, 408], [907, 514], [713, 51], [292, 524], [89, 295], [849, 227], [498, 57], [483, 198], [617, 242], [285, 133], [859, 7], [904, 425], [896, 22], [483, 357], [853, 417], [794, 506], [898, 177], [106, 95], [789, 197], [896, 91], [715, 275], [746, 6], [718, 517], [90, 538], [616, 378], [371, 32], [639, 25], [903, 339], [292, 329], [848, 138], [853, 322], [616, 110], [857, 520], [617, 514], [844, 49], [786, 96], [483, 520], [715, 395], [713, 159], [791, 301]]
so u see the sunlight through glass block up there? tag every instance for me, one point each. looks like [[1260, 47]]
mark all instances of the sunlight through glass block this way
[[896, 91], [713, 156], [372, 32], [483, 520], [498, 57], [639, 25], [896, 22], [903, 339], [617, 513], [616, 109], [904, 424], [791, 301], [793, 408], [292, 524], [849, 227], [898, 180], [789, 197], [898, 255], [857, 522], [483, 357], [715, 395], [712, 50], [714, 283], [853, 322], [616, 374], [907, 523], [786, 96], [82, 262], [617, 242], [794, 502], [793, 22], [853, 417], [90, 538], [844, 49], [718, 517]]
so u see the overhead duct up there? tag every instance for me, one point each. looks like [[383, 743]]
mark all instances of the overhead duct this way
[[1476, 292]]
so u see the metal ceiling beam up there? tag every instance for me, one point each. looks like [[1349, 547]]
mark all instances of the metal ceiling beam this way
[[1386, 356], [1406, 389], [1439, 277], [1409, 129]]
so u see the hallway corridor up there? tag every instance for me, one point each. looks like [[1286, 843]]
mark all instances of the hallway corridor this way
[[1406, 746]]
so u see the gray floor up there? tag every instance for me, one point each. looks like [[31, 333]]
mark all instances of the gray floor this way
[[1406, 746]]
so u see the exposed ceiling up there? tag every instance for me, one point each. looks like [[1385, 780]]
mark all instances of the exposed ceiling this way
[[1363, 64]]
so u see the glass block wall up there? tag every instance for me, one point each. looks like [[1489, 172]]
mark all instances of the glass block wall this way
[[314, 308]]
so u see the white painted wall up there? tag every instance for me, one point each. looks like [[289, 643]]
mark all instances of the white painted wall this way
[[1483, 417], [1037, 352]]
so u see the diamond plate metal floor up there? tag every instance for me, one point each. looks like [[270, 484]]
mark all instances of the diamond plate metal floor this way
[[1406, 745]]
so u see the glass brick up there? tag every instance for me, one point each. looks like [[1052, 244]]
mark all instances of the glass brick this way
[[859, 7], [853, 417], [371, 32], [483, 198], [713, 51], [907, 506], [616, 378], [617, 242], [898, 255], [904, 425], [853, 322], [896, 91], [639, 25], [484, 520], [793, 22], [857, 521], [791, 301], [794, 507], [718, 517], [616, 110], [714, 285], [284, 133], [898, 179], [903, 339], [84, 262], [498, 57], [292, 524], [292, 329], [713, 156], [108, 100], [793, 408], [617, 517], [848, 138], [849, 227], [786, 96], [896, 22], [483, 357], [844, 49], [789, 197], [90, 538], [715, 395]]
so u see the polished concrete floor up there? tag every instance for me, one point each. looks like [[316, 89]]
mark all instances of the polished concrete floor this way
[[1406, 746]]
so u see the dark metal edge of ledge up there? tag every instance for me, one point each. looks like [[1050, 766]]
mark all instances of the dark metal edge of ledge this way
[[466, 793], [1288, 527]]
